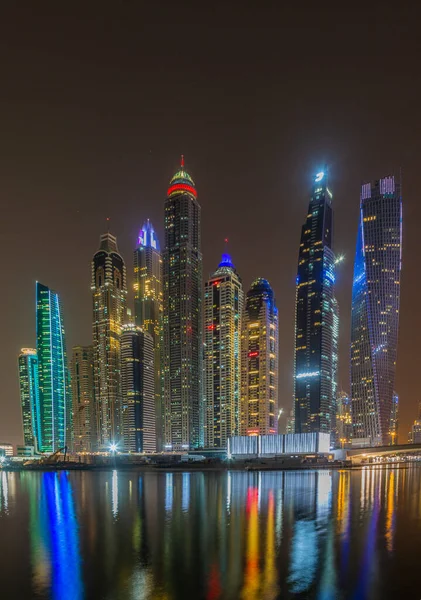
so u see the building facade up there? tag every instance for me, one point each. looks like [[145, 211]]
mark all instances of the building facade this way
[[55, 404], [82, 372], [316, 317], [259, 362], [137, 388], [182, 319], [109, 294], [394, 420], [223, 307], [343, 420], [375, 310], [29, 396], [148, 305]]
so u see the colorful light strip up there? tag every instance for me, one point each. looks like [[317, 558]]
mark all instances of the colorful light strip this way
[[181, 187]]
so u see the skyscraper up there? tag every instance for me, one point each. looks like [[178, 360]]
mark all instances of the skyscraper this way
[[316, 317], [394, 420], [375, 310], [29, 396], [182, 325], [82, 371], [259, 361], [223, 311], [137, 389], [148, 306], [343, 420], [109, 293], [55, 404]]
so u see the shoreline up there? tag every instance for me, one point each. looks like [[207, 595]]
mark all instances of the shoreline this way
[[192, 467]]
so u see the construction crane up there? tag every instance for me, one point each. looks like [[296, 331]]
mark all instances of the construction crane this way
[[53, 458]]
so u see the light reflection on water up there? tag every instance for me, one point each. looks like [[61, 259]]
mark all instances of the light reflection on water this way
[[237, 535]]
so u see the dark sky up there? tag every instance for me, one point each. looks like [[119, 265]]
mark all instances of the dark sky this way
[[98, 100]]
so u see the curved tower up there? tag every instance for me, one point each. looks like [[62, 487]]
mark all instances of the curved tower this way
[[55, 402], [223, 311], [316, 317], [259, 361], [148, 306], [375, 312], [109, 302], [182, 323]]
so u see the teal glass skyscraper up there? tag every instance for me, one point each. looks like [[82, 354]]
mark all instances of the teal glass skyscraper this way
[[375, 312], [55, 406], [316, 317], [29, 396]]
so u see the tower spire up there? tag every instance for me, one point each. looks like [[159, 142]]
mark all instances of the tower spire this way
[[182, 161]]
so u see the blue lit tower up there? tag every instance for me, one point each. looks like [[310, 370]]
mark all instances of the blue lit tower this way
[[259, 361], [182, 323], [148, 306], [109, 294], [316, 317], [55, 403], [29, 396], [375, 310], [223, 307]]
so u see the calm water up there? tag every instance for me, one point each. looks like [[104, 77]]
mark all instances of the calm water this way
[[114, 535]]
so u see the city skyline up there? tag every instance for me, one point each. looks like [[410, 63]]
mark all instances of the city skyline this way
[[93, 130], [101, 269]]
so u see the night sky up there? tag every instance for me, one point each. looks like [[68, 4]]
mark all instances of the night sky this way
[[97, 103]]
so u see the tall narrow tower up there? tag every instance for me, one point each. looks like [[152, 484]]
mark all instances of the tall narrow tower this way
[[182, 326], [148, 306], [259, 361], [375, 310], [29, 396], [223, 311], [55, 404], [82, 371], [137, 388], [109, 302], [316, 317]]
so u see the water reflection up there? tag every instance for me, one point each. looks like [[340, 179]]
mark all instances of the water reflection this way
[[215, 536]]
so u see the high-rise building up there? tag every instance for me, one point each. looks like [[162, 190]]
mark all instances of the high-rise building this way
[[394, 420], [55, 403], [182, 323], [375, 310], [29, 396], [415, 433], [109, 294], [343, 420], [137, 389], [259, 361], [316, 317], [82, 371], [223, 307], [148, 306]]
